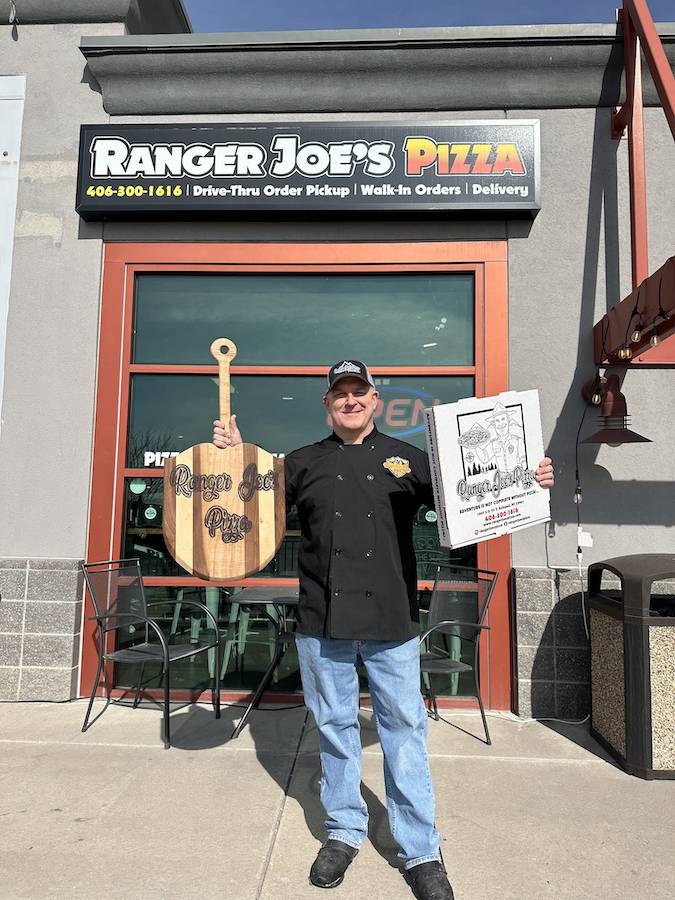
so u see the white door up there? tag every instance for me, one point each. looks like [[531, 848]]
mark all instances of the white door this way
[[12, 93]]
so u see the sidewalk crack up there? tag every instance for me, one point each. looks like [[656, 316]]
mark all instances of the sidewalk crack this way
[[277, 824]]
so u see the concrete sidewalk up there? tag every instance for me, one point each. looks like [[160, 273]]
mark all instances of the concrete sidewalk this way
[[111, 813]]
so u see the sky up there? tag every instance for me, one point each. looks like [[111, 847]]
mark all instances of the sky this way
[[293, 15]]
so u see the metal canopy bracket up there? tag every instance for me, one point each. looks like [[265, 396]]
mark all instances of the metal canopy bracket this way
[[639, 37], [650, 310]]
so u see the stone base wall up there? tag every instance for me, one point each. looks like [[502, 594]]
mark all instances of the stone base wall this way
[[40, 623], [551, 650]]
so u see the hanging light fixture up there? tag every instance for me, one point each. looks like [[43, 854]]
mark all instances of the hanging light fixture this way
[[613, 415]]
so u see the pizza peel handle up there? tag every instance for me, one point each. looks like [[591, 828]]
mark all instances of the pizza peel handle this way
[[224, 351]]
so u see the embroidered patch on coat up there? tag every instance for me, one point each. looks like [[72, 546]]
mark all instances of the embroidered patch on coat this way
[[397, 466]]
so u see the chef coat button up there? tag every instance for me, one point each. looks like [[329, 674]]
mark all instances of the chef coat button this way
[[336, 593], [340, 478], [369, 514], [338, 514], [369, 553], [338, 551], [340, 447], [369, 593], [372, 446], [370, 477]]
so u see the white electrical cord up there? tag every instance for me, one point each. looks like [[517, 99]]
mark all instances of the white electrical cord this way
[[580, 561]]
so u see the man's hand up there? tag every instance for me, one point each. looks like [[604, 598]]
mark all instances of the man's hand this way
[[544, 473], [225, 437]]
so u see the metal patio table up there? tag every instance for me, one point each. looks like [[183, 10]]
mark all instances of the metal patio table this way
[[282, 599]]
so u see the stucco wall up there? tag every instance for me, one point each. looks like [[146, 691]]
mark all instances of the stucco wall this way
[[47, 409]]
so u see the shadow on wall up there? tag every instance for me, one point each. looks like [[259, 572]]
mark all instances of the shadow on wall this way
[[639, 502], [88, 78], [552, 652], [602, 221], [571, 658]]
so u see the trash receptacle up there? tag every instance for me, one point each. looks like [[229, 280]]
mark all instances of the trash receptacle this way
[[633, 664]]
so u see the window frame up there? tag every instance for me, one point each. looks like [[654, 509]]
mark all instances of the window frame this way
[[122, 262]]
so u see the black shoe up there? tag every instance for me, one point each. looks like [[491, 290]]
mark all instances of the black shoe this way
[[331, 863], [429, 881]]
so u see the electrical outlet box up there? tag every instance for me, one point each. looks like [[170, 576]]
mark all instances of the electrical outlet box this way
[[584, 538]]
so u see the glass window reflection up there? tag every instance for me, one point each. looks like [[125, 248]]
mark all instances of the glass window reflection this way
[[246, 644], [169, 413], [415, 319]]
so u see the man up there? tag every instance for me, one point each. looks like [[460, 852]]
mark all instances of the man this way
[[357, 492]]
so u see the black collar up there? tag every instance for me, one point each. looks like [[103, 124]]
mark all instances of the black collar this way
[[372, 435]]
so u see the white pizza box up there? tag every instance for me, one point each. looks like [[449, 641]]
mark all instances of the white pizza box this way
[[483, 453]]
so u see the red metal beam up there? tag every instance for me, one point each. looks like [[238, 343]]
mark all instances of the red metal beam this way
[[636, 154], [650, 307], [659, 67]]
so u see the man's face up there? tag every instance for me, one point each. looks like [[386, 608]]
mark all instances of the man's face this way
[[351, 404], [501, 423]]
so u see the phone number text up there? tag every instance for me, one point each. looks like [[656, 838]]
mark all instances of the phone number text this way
[[135, 190], [502, 514]]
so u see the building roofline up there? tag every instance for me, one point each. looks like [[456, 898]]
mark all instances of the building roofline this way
[[492, 34], [365, 70]]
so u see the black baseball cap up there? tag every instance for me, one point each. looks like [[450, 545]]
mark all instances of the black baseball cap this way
[[349, 368]]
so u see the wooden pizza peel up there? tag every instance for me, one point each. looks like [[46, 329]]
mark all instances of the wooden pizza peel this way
[[224, 510]]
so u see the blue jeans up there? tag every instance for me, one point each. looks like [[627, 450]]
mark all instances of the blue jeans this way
[[330, 685]]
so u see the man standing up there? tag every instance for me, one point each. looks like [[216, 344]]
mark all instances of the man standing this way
[[357, 492]]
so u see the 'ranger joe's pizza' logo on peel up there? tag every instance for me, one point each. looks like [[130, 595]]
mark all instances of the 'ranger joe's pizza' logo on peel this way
[[397, 466]]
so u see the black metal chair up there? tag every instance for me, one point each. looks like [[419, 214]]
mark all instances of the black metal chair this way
[[457, 610], [116, 589]]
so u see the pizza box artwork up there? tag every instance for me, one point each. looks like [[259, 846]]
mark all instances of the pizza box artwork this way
[[483, 454]]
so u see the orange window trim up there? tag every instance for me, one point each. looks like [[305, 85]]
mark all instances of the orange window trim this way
[[486, 260]]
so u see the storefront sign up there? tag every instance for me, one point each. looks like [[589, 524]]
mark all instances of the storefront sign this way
[[483, 454], [176, 171]]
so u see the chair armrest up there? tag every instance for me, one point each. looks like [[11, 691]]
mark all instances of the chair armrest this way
[[190, 603], [136, 617], [455, 622]]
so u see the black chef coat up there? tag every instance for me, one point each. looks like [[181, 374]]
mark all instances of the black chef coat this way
[[356, 504]]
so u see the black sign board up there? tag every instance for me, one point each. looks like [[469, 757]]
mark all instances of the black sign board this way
[[178, 171]]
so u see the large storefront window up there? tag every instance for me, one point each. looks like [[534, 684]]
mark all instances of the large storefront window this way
[[290, 322], [417, 318]]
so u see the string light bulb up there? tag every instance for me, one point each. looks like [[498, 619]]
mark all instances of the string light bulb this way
[[625, 352], [637, 333], [596, 394], [654, 340], [577, 498]]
